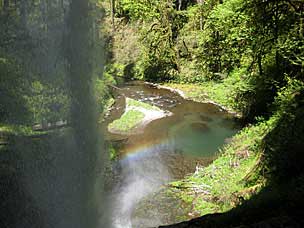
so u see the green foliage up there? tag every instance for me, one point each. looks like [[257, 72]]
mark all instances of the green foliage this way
[[223, 184], [33, 67], [27, 100], [13, 89], [197, 14], [224, 39], [250, 93], [139, 10], [284, 145], [27, 96], [47, 103], [158, 60], [235, 92], [221, 44], [128, 121], [17, 130], [291, 47], [113, 153], [133, 116], [290, 96], [103, 96], [247, 47]]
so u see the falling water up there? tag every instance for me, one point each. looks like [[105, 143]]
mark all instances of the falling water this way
[[83, 109], [57, 179]]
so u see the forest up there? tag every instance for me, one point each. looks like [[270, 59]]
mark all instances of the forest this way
[[67, 65]]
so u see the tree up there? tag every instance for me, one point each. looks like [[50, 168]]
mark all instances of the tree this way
[[113, 13]]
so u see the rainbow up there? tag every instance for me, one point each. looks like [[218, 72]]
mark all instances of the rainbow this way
[[139, 151]]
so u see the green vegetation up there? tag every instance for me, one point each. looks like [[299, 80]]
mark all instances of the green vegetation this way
[[128, 121], [250, 162], [227, 182], [113, 153], [16, 130], [133, 116], [208, 92], [35, 86]]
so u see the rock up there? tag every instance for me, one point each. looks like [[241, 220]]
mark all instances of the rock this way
[[205, 118], [200, 127]]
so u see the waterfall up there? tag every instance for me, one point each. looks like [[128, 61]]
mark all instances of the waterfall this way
[[60, 175]]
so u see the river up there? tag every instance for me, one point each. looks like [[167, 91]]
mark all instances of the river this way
[[166, 150]]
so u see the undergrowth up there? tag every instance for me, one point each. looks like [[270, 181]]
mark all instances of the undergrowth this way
[[257, 157], [229, 180]]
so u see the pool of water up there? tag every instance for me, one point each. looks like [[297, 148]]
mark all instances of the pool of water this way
[[167, 149]]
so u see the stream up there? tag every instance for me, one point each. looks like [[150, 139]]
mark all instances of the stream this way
[[166, 150]]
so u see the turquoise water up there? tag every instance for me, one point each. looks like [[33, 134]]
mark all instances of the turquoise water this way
[[195, 137]]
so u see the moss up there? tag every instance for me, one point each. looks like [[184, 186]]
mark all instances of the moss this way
[[113, 153], [128, 121]]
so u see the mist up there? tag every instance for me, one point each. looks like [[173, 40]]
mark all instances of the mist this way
[[58, 176]]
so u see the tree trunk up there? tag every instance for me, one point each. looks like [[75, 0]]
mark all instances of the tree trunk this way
[[201, 2], [276, 33], [113, 13], [180, 2], [260, 64], [201, 22]]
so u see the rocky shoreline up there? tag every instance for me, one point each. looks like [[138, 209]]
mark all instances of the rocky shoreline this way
[[184, 96], [149, 115]]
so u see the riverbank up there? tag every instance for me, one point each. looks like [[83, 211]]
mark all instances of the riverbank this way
[[230, 179], [227, 182], [136, 116], [237, 177], [208, 92]]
